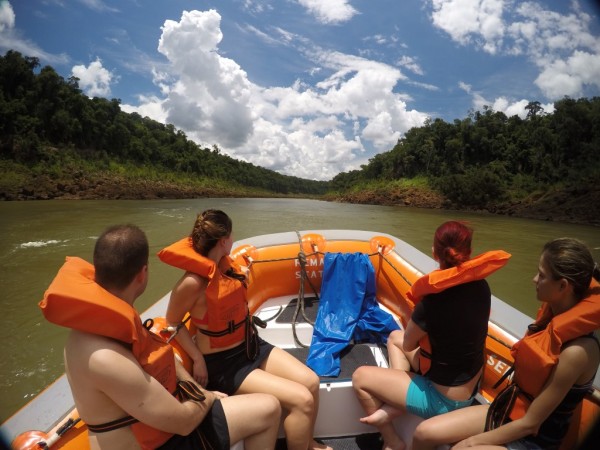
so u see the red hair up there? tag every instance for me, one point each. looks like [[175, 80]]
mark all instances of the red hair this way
[[452, 244]]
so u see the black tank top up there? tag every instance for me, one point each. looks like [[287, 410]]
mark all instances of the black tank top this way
[[556, 426]]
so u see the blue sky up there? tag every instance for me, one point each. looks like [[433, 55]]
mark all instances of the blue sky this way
[[312, 88]]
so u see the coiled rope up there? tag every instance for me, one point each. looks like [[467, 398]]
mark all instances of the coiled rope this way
[[302, 258]]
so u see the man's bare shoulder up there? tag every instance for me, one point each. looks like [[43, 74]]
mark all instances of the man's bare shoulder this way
[[79, 341], [92, 353]]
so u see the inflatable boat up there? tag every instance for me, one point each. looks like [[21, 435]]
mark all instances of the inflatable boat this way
[[285, 273]]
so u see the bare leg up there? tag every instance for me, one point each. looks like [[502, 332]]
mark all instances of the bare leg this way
[[259, 433], [450, 428], [284, 365], [297, 388], [377, 386], [398, 358]]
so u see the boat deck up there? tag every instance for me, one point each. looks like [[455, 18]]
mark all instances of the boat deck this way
[[336, 393]]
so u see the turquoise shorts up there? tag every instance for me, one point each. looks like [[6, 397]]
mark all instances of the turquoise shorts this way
[[424, 400]]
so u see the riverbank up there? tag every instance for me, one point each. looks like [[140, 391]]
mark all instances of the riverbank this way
[[579, 205], [20, 184]]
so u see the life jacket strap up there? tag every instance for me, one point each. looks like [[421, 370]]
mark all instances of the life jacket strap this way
[[186, 390], [504, 376], [231, 328], [113, 425]]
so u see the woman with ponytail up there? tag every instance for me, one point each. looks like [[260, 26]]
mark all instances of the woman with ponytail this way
[[227, 354]]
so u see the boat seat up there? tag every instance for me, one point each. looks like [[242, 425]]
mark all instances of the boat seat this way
[[352, 357]]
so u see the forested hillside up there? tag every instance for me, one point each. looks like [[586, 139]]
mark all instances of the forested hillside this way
[[48, 126], [491, 161], [55, 142]]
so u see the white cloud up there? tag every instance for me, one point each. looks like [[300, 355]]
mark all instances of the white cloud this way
[[98, 5], [566, 53], [94, 80], [508, 107], [310, 131], [467, 21], [411, 64], [330, 11], [567, 77], [7, 17], [149, 107], [256, 6], [10, 38], [211, 95]]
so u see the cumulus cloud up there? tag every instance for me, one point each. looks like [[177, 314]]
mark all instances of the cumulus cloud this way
[[94, 79], [11, 39], [562, 47], [502, 104], [471, 21], [308, 130], [211, 96], [330, 11]]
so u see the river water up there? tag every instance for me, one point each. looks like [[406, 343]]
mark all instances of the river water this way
[[36, 236]]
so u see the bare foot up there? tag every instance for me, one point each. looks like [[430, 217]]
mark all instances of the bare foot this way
[[382, 416], [314, 445], [378, 418]]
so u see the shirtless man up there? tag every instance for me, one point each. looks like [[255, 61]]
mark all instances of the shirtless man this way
[[108, 382]]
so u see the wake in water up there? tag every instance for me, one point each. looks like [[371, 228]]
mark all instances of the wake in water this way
[[35, 244]]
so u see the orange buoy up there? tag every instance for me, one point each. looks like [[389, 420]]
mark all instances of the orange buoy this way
[[30, 440]]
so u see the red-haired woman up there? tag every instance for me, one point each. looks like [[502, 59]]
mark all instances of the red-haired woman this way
[[454, 321]]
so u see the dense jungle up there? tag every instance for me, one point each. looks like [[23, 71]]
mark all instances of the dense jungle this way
[[56, 143]]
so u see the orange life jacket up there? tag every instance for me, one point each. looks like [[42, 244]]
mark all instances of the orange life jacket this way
[[537, 353], [439, 280], [227, 308], [76, 301]]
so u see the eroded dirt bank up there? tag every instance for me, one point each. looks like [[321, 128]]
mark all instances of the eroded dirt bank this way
[[573, 205]]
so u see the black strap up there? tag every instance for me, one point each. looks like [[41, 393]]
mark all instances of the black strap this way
[[187, 390], [232, 326], [114, 425], [504, 376], [252, 344]]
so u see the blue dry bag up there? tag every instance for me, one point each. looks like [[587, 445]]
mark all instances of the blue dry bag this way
[[348, 310]]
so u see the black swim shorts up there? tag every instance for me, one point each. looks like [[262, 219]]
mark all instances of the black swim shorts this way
[[228, 369], [212, 433]]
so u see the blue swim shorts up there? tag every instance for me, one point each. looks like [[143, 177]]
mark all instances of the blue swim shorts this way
[[424, 400]]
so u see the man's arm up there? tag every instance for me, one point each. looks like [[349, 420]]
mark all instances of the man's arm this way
[[115, 372]]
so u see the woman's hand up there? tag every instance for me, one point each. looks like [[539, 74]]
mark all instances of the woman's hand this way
[[199, 371], [219, 395]]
